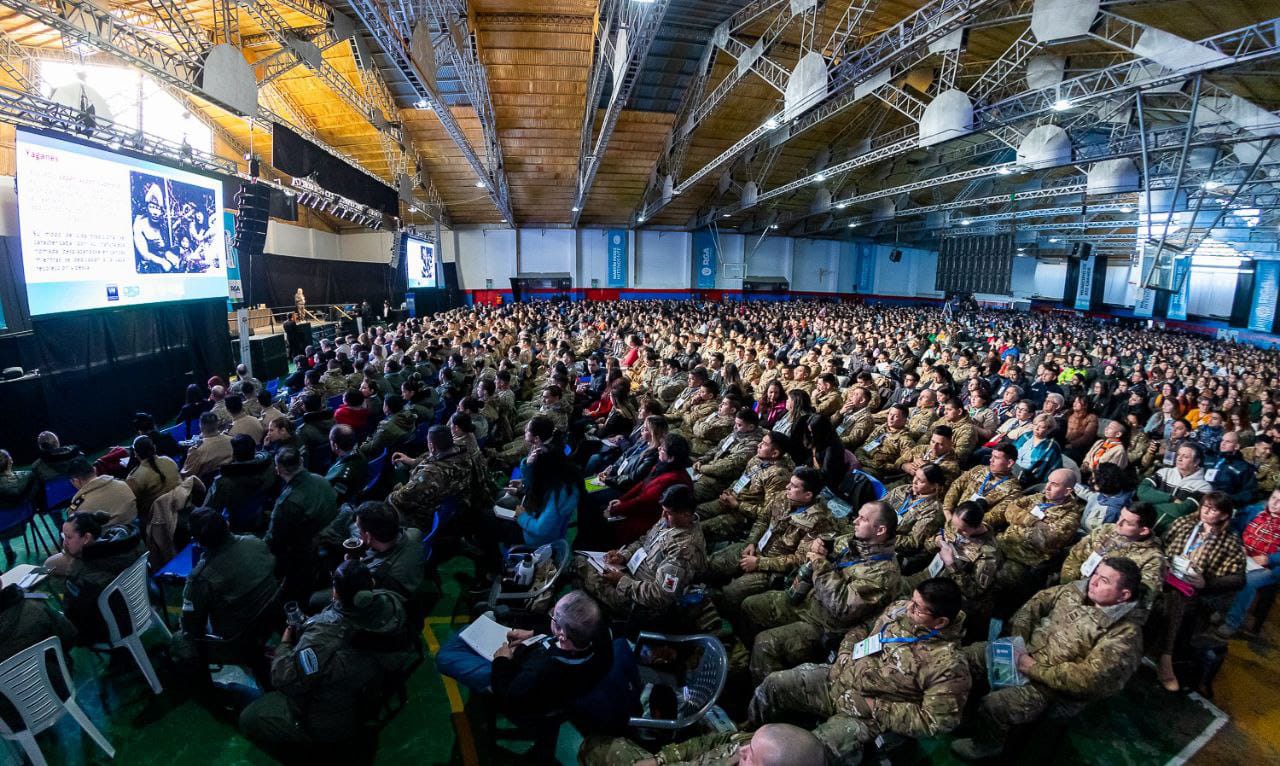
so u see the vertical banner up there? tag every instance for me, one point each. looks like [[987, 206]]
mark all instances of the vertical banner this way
[[1144, 304], [1084, 285], [242, 329], [235, 288], [617, 244], [706, 257], [411, 303], [1266, 289], [865, 259], [1181, 280]]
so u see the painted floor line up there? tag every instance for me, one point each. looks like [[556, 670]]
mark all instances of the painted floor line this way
[[466, 741], [1219, 720]]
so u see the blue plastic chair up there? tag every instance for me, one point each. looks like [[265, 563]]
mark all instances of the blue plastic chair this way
[[376, 467], [179, 568], [429, 539], [273, 386], [58, 493], [334, 402], [447, 510], [19, 521], [876, 484], [178, 431], [246, 518]]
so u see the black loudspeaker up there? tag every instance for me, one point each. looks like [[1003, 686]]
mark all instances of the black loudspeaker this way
[[254, 201], [776, 286], [895, 255], [451, 286], [268, 353], [1242, 301]]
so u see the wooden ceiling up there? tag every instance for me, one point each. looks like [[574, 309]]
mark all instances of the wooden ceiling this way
[[537, 57]]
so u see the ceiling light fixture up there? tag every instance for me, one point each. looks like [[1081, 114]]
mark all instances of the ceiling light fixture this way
[[422, 103], [481, 184], [575, 208], [966, 222], [726, 215], [1053, 240], [773, 226], [1005, 170], [1061, 105], [819, 177], [770, 124], [842, 205]]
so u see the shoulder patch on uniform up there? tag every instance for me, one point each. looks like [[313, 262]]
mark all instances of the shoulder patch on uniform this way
[[308, 661], [670, 582]]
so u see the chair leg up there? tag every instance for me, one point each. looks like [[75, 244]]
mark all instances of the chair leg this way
[[29, 746], [74, 709], [134, 644]]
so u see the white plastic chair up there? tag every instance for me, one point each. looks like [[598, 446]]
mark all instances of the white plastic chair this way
[[131, 584], [703, 684], [25, 683], [1073, 465]]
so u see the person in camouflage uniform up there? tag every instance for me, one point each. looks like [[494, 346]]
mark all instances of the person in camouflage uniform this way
[[826, 396], [1131, 537], [919, 508], [668, 382], [902, 672], [652, 573], [886, 443], [705, 402], [857, 581], [717, 470], [965, 551], [692, 402], [993, 483], [709, 431], [729, 516], [1031, 530], [920, 420], [937, 451], [854, 421], [1083, 642], [394, 428], [775, 744], [777, 543], [1265, 463], [445, 472], [964, 436]]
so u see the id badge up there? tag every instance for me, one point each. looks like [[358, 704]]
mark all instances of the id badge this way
[[1038, 512], [1169, 458], [1210, 475], [976, 496], [1091, 564], [867, 646], [874, 444], [842, 430], [937, 565], [1180, 565], [637, 559], [740, 484], [764, 540]]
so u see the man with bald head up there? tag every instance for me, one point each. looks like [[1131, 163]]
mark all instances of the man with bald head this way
[[1031, 531], [775, 744]]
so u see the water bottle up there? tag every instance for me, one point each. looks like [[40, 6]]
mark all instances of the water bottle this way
[[802, 584]]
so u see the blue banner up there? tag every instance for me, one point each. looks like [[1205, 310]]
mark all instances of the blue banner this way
[[706, 259], [1084, 285], [235, 288], [1266, 288], [866, 268], [1145, 303], [617, 246], [1178, 300]]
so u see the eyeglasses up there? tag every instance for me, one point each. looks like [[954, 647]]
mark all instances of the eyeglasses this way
[[919, 610]]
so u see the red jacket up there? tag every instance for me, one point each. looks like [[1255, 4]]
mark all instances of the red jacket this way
[[639, 505], [356, 417]]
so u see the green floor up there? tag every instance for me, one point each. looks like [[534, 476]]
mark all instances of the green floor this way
[[1144, 725]]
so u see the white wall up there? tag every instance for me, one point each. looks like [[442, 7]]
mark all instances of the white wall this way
[[662, 260], [1116, 292], [1051, 279], [913, 275], [301, 242], [1212, 293]]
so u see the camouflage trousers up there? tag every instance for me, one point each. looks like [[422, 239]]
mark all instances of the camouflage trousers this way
[[708, 488], [1002, 709], [784, 639], [1014, 583], [805, 690], [740, 586], [600, 589]]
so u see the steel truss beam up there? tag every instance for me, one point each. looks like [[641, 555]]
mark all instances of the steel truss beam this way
[[641, 22], [382, 29]]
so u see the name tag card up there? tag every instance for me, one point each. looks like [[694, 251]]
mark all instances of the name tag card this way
[[740, 484], [1211, 474], [1091, 564], [637, 559], [764, 540], [1038, 512], [936, 566], [867, 646]]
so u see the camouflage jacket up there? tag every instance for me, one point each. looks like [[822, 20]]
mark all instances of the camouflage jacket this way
[[923, 453], [829, 403], [980, 481], [1035, 531], [919, 688], [1082, 652], [882, 448], [973, 567], [674, 558], [709, 431], [790, 531], [919, 518], [731, 455], [854, 428], [861, 579], [759, 482], [1106, 541], [443, 475]]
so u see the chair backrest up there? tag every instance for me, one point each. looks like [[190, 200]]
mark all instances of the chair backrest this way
[[447, 509], [178, 431], [14, 520], [246, 517], [58, 492], [429, 538], [375, 471], [334, 402], [25, 683], [703, 684], [1072, 464], [273, 386], [131, 584]]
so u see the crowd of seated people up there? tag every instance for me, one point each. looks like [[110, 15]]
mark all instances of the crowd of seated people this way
[[856, 501]]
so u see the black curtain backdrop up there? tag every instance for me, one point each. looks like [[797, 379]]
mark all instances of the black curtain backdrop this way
[[295, 155], [274, 279], [97, 368]]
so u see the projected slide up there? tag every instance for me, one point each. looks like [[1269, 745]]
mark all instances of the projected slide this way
[[101, 230], [422, 262]]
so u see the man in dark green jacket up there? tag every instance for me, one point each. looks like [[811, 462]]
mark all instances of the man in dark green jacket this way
[[306, 505], [350, 470]]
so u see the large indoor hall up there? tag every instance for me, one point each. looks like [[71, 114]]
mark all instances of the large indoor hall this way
[[639, 382]]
